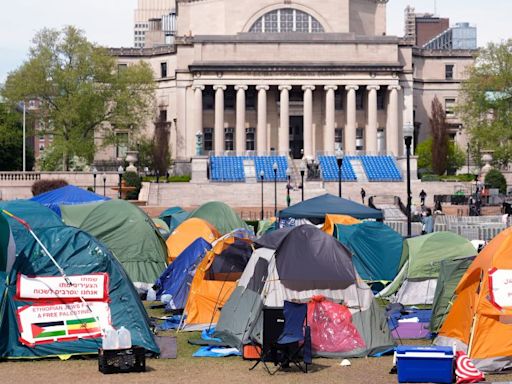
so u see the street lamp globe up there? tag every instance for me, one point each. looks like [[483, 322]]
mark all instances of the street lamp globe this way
[[274, 167], [120, 170]]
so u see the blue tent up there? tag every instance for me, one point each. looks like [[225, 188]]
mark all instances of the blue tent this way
[[376, 249], [68, 195], [173, 217], [316, 208], [174, 283]]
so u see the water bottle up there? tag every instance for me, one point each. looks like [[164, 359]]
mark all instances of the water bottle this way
[[110, 339], [125, 338]]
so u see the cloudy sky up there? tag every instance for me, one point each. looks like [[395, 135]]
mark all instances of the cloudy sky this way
[[109, 22]]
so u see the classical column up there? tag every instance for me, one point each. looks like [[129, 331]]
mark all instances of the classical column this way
[[240, 119], [284, 126], [308, 121], [392, 145], [261, 131], [198, 108], [219, 119], [330, 119], [350, 130], [371, 132]]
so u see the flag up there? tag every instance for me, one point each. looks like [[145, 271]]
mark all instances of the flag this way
[[48, 329], [81, 326]]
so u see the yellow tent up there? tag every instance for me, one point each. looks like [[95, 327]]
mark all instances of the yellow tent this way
[[216, 278], [186, 233], [332, 220]]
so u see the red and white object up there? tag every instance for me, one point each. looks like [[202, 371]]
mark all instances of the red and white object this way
[[465, 370]]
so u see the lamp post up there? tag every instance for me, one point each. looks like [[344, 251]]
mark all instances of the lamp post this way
[[262, 176], [302, 172], [94, 174], [104, 184], [288, 186], [339, 161], [274, 168], [120, 172], [157, 176], [468, 150], [408, 132], [24, 137]]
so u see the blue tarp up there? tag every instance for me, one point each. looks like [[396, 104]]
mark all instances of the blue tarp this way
[[174, 283], [316, 208], [376, 248], [68, 195]]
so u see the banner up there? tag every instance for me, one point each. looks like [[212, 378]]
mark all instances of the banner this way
[[62, 322], [500, 287], [48, 288]]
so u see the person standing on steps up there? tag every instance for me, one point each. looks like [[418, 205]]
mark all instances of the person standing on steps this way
[[423, 196], [363, 194]]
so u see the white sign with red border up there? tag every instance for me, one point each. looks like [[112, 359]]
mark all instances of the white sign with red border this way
[[40, 324], [88, 287], [500, 287]]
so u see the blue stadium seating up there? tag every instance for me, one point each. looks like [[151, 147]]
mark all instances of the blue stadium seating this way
[[330, 170], [265, 164], [380, 168], [231, 168]]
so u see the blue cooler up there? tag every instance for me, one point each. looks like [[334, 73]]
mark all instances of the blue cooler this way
[[424, 364]]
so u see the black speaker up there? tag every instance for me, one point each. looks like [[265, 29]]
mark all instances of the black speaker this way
[[273, 326]]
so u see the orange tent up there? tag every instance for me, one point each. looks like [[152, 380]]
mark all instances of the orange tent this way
[[216, 278], [481, 316], [332, 220], [186, 233]]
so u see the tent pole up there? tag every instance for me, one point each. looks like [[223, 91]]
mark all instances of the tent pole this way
[[474, 321]]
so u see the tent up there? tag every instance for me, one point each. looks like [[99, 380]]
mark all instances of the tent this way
[[7, 246], [332, 220], [479, 321], [174, 284], [68, 195], [35, 214], [376, 249], [316, 208], [420, 263], [42, 316], [173, 217], [162, 227], [186, 233], [128, 232], [297, 265], [221, 216], [450, 273], [215, 279]]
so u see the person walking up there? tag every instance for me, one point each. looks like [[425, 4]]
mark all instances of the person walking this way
[[423, 196], [428, 222], [363, 194]]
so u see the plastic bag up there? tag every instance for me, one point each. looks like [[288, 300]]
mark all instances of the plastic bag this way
[[331, 327]]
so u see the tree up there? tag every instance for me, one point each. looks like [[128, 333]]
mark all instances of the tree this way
[[495, 179], [440, 142], [486, 107], [80, 91], [11, 141], [455, 157]]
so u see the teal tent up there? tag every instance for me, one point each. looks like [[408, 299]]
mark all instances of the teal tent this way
[[55, 322], [376, 249], [7, 246], [173, 217]]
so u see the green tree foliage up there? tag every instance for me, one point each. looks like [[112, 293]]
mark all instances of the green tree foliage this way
[[132, 180], [11, 141], [440, 142], [495, 179], [81, 91], [455, 157], [486, 107]]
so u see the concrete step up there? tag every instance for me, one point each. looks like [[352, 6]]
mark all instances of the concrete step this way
[[359, 170]]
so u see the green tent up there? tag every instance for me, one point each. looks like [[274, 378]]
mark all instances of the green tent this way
[[221, 216], [55, 322], [451, 271], [7, 246], [128, 232], [420, 264]]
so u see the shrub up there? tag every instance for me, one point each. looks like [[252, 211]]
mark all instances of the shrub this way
[[132, 180], [42, 186], [495, 179]]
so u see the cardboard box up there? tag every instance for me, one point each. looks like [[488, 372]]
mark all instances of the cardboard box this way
[[428, 364]]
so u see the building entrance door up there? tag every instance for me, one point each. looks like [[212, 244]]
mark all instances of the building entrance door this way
[[296, 136]]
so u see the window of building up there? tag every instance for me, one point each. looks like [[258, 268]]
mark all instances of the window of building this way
[[338, 138], [162, 116], [360, 99], [449, 107], [250, 98], [359, 139], [122, 144], [339, 100], [250, 134], [381, 97], [448, 71], [381, 140], [229, 141], [163, 70], [208, 139], [286, 20], [208, 99]]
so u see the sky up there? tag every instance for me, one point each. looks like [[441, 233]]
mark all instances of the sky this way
[[109, 22]]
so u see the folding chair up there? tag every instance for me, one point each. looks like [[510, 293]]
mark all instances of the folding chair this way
[[293, 346]]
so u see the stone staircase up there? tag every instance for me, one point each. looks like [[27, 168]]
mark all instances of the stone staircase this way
[[357, 165]]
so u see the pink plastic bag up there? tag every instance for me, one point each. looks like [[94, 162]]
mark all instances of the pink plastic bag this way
[[331, 327]]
